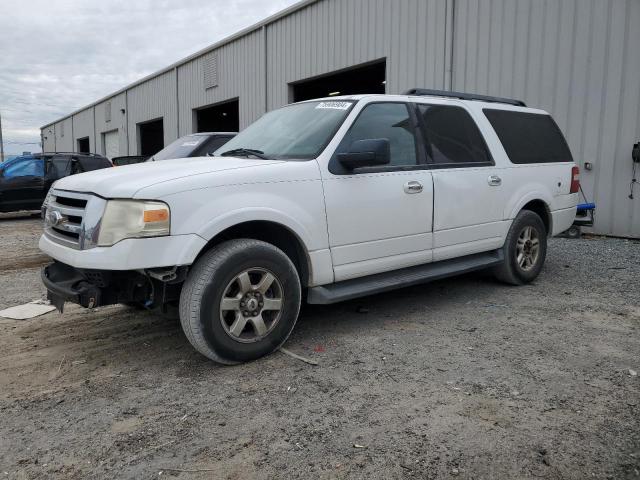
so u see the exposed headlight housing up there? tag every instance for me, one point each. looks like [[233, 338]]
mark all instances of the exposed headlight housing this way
[[133, 219], [47, 199]]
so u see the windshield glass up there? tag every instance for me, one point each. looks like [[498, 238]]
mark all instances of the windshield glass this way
[[180, 148], [299, 131]]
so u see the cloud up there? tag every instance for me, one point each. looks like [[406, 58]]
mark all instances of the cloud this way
[[59, 56]]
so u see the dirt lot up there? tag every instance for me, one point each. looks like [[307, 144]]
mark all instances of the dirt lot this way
[[463, 378]]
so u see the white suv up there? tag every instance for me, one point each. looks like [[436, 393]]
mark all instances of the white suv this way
[[323, 200]]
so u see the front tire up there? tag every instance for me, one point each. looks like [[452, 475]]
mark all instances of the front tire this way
[[525, 250], [240, 301]]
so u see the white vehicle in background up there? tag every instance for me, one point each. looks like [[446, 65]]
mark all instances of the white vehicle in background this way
[[323, 201]]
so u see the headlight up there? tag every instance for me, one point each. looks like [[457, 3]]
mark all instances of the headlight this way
[[47, 199], [133, 219]]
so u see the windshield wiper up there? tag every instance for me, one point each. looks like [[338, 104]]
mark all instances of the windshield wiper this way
[[246, 152]]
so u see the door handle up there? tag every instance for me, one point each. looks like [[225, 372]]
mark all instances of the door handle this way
[[412, 187], [494, 180]]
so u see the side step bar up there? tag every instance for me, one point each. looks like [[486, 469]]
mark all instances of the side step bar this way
[[405, 277]]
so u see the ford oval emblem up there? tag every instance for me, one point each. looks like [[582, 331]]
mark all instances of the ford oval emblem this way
[[54, 217]]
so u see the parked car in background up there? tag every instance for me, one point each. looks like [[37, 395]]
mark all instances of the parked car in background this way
[[128, 160], [324, 200], [25, 180], [192, 145]]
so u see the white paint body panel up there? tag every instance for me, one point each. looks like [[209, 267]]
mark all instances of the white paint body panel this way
[[129, 254], [371, 218], [350, 225]]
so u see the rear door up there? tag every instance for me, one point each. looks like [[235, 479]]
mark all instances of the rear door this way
[[467, 200], [380, 219]]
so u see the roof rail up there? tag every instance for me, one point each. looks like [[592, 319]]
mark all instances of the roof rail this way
[[463, 96]]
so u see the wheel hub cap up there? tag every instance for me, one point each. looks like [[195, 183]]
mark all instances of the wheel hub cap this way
[[528, 248], [251, 305]]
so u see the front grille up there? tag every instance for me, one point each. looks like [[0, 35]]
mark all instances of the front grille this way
[[64, 220], [72, 202]]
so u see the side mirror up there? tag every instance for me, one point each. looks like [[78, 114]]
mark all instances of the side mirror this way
[[366, 153]]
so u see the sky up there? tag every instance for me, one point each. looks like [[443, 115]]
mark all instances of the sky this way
[[58, 56]]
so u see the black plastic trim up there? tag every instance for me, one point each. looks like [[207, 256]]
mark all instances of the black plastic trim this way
[[427, 92], [405, 277]]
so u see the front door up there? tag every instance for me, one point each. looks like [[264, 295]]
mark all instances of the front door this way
[[380, 219], [22, 185], [468, 203]]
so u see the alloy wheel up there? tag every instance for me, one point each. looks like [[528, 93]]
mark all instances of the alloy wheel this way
[[251, 305]]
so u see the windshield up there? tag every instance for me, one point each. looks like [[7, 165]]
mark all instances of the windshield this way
[[299, 131], [180, 148]]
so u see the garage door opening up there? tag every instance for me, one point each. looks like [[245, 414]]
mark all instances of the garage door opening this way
[[224, 117], [83, 145], [151, 135], [111, 144], [369, 78]]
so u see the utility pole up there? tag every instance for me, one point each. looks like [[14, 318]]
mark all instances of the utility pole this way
[[1, 144]]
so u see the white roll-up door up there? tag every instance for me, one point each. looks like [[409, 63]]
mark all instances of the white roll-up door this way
[[111, 144]]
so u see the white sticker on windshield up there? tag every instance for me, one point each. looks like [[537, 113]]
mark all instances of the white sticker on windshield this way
[[190, 144], [334, 105]]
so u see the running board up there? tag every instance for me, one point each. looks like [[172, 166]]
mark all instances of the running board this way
[[405, 277]]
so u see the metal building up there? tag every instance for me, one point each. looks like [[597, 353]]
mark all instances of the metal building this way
[[578, 59]]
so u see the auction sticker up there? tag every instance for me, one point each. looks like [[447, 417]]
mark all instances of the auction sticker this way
[[334, 105]]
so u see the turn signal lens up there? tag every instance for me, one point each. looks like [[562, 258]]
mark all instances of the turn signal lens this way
[[156, 216]]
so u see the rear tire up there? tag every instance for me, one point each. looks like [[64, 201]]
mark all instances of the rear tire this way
[[240, 301], [525, 250]]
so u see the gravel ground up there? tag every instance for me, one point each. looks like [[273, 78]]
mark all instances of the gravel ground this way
[[463, 378]]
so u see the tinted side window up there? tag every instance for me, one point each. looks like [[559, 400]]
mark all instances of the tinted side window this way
[[452, 136], [529, 137], [27, 168], [59, 167], [385, 120]]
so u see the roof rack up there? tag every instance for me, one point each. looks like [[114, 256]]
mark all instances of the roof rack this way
[[463, 96]]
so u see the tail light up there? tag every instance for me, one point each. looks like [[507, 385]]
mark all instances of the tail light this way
[[575, 180]]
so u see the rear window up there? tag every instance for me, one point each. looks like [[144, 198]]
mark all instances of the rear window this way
[[529, 137]]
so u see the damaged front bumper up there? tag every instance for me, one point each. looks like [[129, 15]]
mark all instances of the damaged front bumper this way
[[95, 288]]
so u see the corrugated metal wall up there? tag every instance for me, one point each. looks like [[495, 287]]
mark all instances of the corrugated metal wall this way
[[48, 139], [64, 136], [577, 59], [83, 127], [117, 121], [337, 34], [153, 99], [240, 75]]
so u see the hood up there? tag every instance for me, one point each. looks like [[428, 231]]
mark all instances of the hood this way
[[125, 181]]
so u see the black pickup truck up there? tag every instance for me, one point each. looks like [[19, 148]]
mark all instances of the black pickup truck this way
[[25, 180]]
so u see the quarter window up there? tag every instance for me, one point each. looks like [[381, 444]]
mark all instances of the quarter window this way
[[385, 120], [529, 137], [452, 137]]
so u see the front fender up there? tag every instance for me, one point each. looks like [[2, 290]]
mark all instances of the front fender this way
[[250, 214]]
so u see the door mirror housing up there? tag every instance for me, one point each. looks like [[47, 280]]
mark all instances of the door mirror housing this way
[[366, 153]]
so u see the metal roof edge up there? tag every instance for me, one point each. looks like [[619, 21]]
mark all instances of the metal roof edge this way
[[231, 38]]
